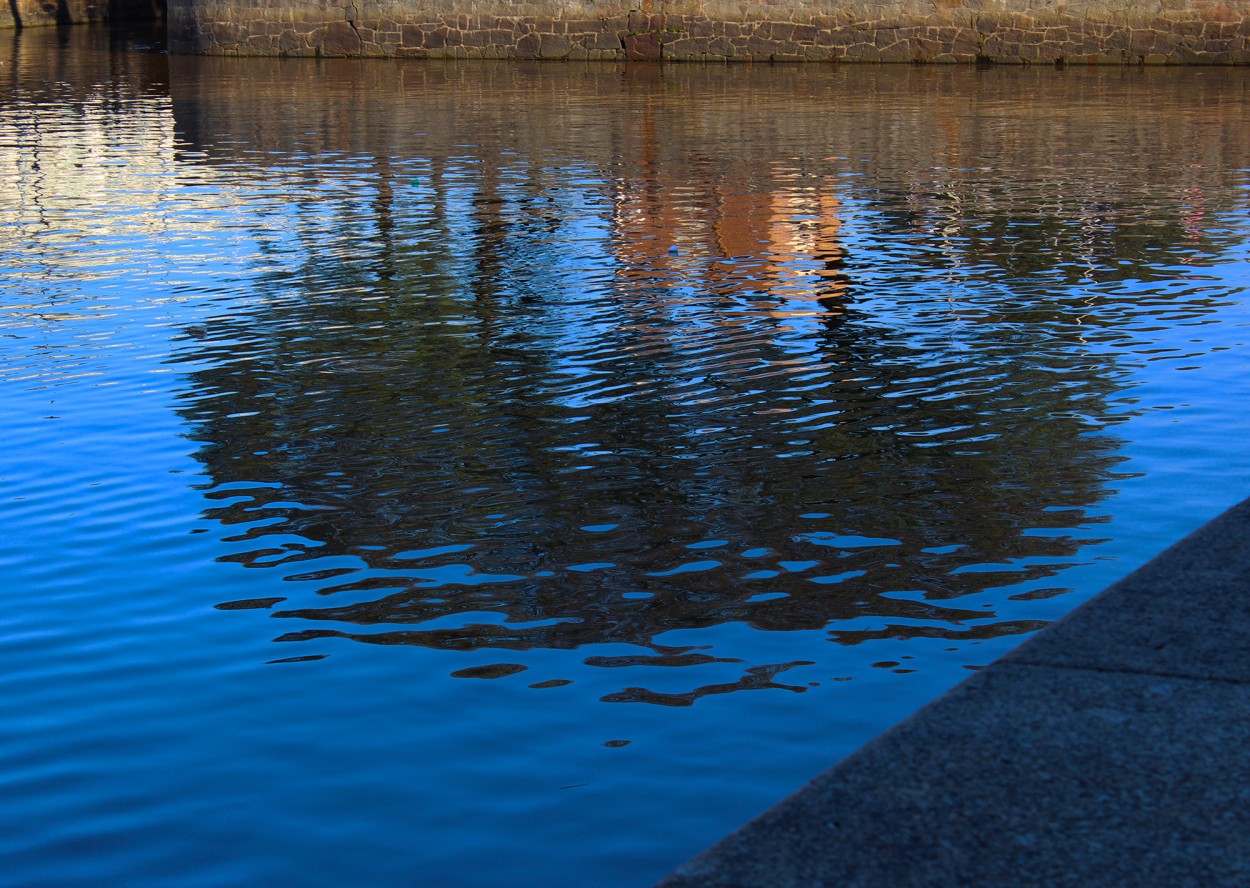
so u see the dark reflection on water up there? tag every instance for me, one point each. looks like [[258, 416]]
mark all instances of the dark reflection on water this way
[[611, 352], [557, 386]]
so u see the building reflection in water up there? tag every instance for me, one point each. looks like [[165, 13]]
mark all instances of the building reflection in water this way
[[537, 359]]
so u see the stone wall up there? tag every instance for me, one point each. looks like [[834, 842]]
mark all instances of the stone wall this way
[[1013, 31], [31, 13]]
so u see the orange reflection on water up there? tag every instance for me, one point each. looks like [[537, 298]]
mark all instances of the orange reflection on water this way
[[769, 237]]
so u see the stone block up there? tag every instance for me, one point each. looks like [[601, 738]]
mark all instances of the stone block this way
[[227, 32], [528, 45], [700, 28], [1121, 40], [779, 32], [838, 38], [1163, 44], [804, 34], [436, 38], [1220, 12], [818, 53], [922, 49], [758, 46], [340, 39], [642, 47], [606, 40], [684, 48], [966, 42], [993, 47], [554, 46], [899, 51]]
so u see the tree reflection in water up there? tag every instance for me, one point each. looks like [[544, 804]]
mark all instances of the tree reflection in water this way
[[585, 364]]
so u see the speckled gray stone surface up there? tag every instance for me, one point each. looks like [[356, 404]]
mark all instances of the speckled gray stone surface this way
[[1186, 613], [1108, 750]]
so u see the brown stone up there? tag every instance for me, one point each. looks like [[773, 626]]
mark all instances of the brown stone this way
[[684, 48], [226, 32], [759, 46], [804, 34], [554, 46], [340, 39], [1164, 44], [606, 40], [642, 47], [839, 38], [898, 51], [436, 38], [966, 42], [1220, 12], [527, 47], [922, 49], [862, 52]]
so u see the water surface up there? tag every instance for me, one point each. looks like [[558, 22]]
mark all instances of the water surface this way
[[521, 474]]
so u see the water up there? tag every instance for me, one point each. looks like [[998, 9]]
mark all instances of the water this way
[[496, 474]]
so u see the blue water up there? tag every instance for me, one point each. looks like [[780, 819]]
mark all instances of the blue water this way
[[482, 475]]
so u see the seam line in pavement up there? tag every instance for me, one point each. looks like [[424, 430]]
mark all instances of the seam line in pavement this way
[[1110, 671]]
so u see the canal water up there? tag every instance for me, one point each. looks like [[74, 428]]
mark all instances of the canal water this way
[[521, 475]]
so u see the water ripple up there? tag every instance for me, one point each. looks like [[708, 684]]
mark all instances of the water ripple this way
[[329, 384]]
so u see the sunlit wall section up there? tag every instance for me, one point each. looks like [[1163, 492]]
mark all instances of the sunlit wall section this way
[[1020, 31]]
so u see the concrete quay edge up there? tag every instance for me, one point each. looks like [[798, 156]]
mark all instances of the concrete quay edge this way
[[1108, 750]]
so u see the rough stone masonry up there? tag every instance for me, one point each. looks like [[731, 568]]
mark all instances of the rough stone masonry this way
[[1150, 32], [27, 13]]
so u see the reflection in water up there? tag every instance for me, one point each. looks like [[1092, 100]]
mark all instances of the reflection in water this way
[[496, 393], [559, 356]]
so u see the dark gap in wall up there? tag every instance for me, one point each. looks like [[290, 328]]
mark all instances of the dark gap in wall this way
[[135, 10]]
